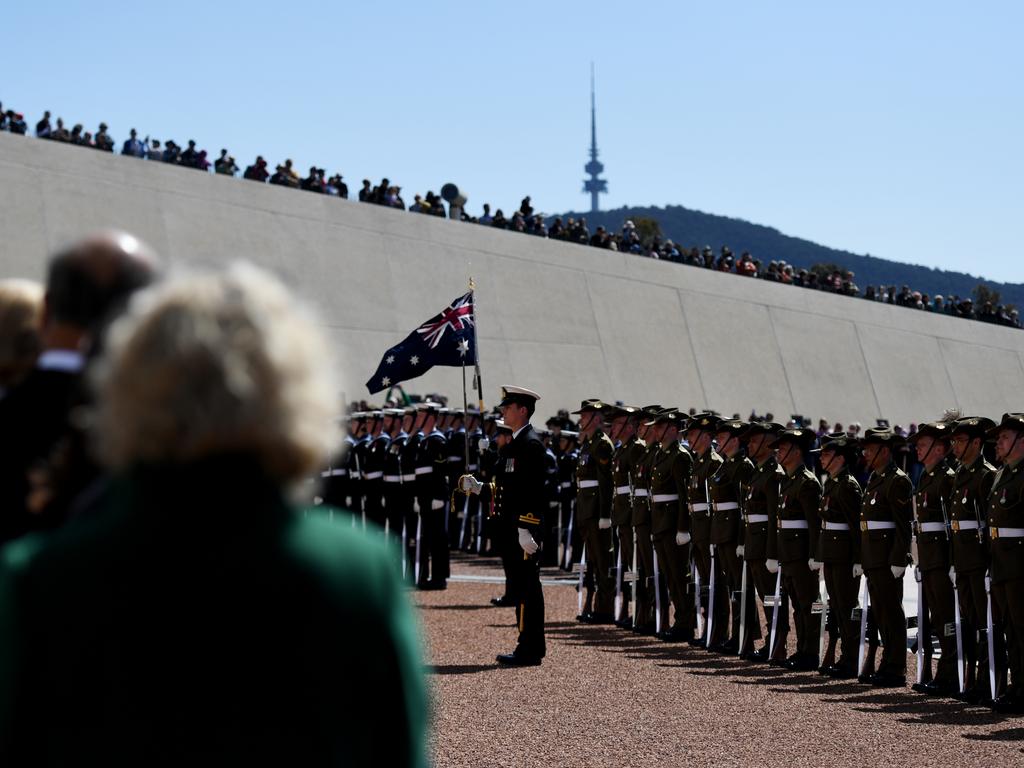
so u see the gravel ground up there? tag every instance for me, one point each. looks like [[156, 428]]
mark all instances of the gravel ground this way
[[605, 697]]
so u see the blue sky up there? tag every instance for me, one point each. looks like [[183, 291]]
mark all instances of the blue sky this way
[[878, 127]]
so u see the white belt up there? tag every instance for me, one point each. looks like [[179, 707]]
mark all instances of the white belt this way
[[932, 527], [621, 489], [424, 470], [661, 498], [966, 525], [876, 525], [793, 524], [837, 526], [640, 493], [454, 458], [437, 504], [472, 467], [565, 485], [726, 506], [408, 478], [757, 518], [1006, 533], [335, 473], [392, 478], [373, 475], [587, 484], [700, 506]]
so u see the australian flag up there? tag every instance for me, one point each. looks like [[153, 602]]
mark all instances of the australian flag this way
[[445, 339]]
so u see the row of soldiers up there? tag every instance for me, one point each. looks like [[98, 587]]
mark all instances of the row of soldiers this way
[[699, 526]]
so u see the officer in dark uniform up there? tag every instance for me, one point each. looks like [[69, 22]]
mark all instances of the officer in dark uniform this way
[[594, 512], [569, 455], [725, 489], [549, 550], [397, 501], [700, 432], [356, 464], [1006, 533], [474, 434], [885, 550], [455, 435], [335, 485], [759, 510], [640, 478], [412, 423], [839, 548], [432, 496], [931, 527], [793, 542], [628, 450], [967, 506], [517, 492], [373, 468]]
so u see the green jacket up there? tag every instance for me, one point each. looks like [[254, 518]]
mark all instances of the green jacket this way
[[886, 502], [197, 620], [967, 502], [670, 473], [799, 497], [933, 488], [725, 489], [594, 478], [626, 456], [840, 505], [1006, 510], [762, 499], [704, 468], [641, 479]]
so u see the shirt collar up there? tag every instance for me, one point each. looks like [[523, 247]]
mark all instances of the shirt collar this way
[[516, 433], [66, 360]]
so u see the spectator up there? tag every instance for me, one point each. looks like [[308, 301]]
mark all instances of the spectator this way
[[21, 314], [225, 164], [314, 182], [43, 128], [499, 220], [77, 138], [153, 152], [285, 176], [270, 589], [60, 133], [486, 219], [132, 146], [335, 186], [172, 152], [417, 204], [3, 117], [525, 208], [257, 171], [189, 155], [102, 141], [366, 193]]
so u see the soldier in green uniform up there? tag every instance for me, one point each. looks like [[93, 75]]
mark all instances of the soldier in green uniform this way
[[839, 547], [700, 432], [931, 527], [1006, 532], [640, 478], [594, 511], [759, 509], [670, 523], [793, 542], [629, 448], [969, 534], [726, 487], [885, 550]]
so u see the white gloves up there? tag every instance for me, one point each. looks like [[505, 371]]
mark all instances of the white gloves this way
[[858, 570], [740, 550], [952, 574], [527, 543], [682, 538], [898, 571], [469, 484], [813, 564], [484, 444], [604, 523], [772, 565]]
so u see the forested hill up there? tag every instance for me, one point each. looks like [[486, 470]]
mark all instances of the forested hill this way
[[688, 228]]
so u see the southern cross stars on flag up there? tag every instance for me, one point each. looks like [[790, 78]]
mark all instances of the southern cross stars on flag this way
[[445, 339]]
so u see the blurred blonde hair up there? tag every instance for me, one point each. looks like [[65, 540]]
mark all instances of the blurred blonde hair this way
[[21, 312], [225, 363]]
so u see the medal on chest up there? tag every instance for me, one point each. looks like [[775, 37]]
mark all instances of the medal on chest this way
[[924, 501], [784, 500], [874, 498], [510, 466]]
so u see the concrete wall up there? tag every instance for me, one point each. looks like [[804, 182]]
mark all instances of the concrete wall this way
[[568, 321]]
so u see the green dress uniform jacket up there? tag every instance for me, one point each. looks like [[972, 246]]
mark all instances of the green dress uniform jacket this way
[[840, 505], [724, 488], [799, 496], [761, 502], [886, 500], [704, 468], [626, 456], [1005, 511], [198, 620], [931, 525], [594, 478], [670, 474], [641, 478], [967, 507]]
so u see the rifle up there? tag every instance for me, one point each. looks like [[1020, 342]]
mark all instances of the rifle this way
[[568, 542], [657, 596], [465, 523], [921, 639], [864, 605], [775, 613], [618, 582], [419, 538], [710, 622], [991, 641], [579, 587], [958, 627]]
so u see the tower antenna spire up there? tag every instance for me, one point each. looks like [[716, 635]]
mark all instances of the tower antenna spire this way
[[594, 185]]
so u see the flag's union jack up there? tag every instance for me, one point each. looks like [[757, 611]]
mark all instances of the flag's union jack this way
[[458, 317]]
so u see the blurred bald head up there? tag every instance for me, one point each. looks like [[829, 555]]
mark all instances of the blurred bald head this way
[[90, 280]]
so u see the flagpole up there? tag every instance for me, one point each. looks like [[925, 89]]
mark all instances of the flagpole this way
[[476, 351]]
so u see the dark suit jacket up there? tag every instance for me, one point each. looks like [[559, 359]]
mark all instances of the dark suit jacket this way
[[33, 417], [200, 621], [518, 484]]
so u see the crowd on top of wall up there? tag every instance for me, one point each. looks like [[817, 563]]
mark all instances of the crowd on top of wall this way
[[524, 220]]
